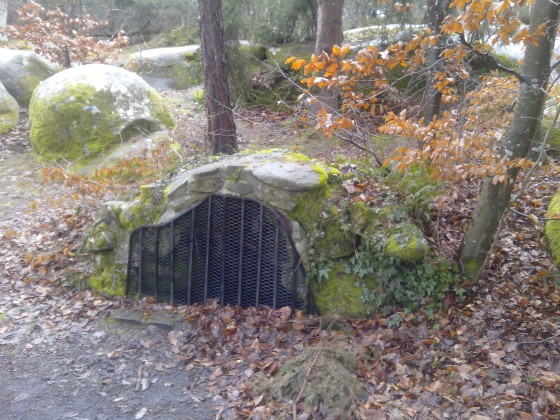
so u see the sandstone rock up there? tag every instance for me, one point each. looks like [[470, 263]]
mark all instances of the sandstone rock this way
[[9, 110], [168, 68], [83, 111], [21, 71]]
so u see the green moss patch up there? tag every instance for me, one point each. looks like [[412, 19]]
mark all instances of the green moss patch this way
[[107, 240], [9, 114], [341, 293], [552, 228], [406, 243]]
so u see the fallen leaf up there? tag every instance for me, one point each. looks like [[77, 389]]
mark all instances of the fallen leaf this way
[[141, 413]]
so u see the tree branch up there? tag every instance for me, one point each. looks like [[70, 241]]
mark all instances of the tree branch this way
[[492, 58]]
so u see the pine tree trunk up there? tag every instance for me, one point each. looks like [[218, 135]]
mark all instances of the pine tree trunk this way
[[221, 134], [495, 198]]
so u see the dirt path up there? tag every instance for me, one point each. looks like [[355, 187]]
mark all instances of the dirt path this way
[[101, 372]]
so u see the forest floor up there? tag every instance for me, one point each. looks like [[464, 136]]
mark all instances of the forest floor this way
[[495, 355]]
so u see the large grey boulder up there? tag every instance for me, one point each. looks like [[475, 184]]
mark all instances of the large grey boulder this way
[[168, 68], [85, 110], [9, 110], [21, 71]]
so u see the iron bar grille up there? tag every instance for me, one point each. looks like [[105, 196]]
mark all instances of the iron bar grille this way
[[236, 250]]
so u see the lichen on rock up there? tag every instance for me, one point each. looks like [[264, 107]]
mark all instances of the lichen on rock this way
[[84, 111], [341, 293], [406, 242]]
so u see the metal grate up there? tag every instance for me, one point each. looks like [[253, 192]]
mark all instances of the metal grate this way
[[236, 250]]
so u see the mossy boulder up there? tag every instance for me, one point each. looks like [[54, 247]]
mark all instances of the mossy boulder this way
[[83, 111], [553, 140], [9, 110], [177, 68], [21, 71], [552, 227], [406, 242], [280, 54]]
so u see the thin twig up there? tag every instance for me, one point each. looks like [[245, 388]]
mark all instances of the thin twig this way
[[544, 340], [139, 377]]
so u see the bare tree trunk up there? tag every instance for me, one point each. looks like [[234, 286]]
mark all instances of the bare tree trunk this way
[[221, 135], [431, 105], [329, 33], [495, 198], [329, 25]]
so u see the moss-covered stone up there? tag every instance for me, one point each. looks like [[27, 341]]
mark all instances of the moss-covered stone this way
[[108, 277], [144, 209], [406, 242], [61, 129], [21, 72], [78, 116], [101, 238], [282, 53], [177, 68], [255, 51], [552, 228], [361, 216], [107, 240], [553, 139], [321, 220]]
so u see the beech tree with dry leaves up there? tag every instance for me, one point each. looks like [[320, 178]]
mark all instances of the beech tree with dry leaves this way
[[464, 126]]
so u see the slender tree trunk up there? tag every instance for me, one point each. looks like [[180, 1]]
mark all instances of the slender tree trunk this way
[[329, 25], [495, 198], [3, 15], [221, 135], [431, 105], [329, 33]]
